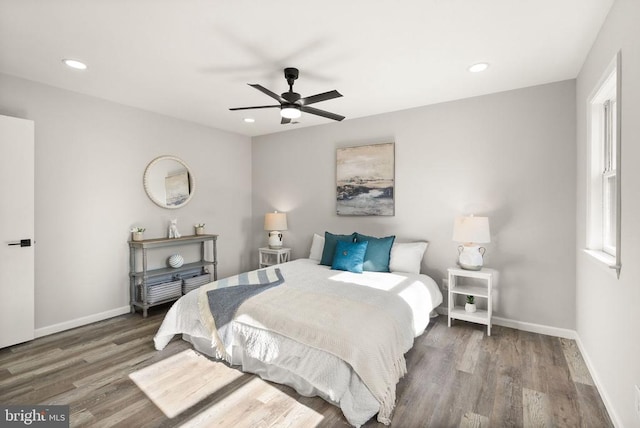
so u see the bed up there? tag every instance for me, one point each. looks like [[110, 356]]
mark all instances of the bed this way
[[329, 333]]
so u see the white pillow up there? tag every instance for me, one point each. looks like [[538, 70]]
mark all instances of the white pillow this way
[[317, 246], [407, 257]]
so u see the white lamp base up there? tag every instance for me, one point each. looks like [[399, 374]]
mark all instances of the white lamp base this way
[[275, 240], [471, 257]]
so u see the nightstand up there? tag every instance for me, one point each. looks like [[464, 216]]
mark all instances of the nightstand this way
[[456, 287], [269, 257]]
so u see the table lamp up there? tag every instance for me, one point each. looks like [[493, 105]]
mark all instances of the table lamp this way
[[470, 231], [275, 222]]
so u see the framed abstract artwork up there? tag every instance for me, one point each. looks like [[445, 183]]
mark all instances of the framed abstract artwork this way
[[365, 180]]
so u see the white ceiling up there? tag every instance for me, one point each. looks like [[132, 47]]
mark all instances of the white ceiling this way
[[192, 59]]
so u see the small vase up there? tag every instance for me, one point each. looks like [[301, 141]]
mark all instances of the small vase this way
[[176, 261], [199, 230], [470, 307], [137, 236]]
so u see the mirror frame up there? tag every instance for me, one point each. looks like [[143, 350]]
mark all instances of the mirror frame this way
[[147, 189]]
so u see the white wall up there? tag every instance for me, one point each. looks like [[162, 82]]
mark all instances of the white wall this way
[[510, 156], [607, 308], [90, 156]]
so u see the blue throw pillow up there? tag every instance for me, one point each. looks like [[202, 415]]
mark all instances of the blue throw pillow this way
[[378, 252], [330, 241], [349, 256]]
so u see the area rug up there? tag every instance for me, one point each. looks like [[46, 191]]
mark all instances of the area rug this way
[[183, 380]]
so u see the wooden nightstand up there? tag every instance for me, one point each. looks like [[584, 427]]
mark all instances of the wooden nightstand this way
[[481, 316], [269, 257]]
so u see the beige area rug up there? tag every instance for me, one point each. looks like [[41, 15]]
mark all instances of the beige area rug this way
[[183, 380]]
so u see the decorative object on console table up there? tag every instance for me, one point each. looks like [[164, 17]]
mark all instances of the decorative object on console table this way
[[150, 287], [137, 233], [269, 256], [199, 228], [275, 222], [470, 231], [473, 290], [173, 228], [176, 261]]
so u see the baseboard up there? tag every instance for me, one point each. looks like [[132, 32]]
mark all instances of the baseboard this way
[[79, 322], [603, 393], [526, 326], [535, 328]]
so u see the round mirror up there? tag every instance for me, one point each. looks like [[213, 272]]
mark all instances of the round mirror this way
[[168, 182]]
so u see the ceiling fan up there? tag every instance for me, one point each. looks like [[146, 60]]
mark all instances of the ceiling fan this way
[[291, 104]]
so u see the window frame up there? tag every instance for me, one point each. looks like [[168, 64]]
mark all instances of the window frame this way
[[603, 172]]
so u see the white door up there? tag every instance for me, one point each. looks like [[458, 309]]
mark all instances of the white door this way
[[16, 227]]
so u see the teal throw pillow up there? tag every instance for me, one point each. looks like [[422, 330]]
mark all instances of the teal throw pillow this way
[[330, 241], [349, 256], [378, 252]]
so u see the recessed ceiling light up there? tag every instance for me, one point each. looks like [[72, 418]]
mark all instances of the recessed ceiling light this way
[[74, 63], [477, 68], [249, 119]]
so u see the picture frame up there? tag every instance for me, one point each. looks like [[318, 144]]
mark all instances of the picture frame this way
[[365, 180]]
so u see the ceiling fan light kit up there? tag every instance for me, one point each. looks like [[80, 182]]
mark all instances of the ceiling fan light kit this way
[[291, 104], [290, 112]]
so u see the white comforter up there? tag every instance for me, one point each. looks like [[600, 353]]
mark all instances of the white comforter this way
[[309, 370]]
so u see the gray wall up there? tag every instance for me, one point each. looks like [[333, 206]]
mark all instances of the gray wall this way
[[510, 156], [607, 308], [90, 156]]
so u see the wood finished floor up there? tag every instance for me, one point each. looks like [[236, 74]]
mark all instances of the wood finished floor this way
[[458, 377]]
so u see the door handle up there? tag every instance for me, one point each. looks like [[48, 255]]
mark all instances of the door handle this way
[[22, 243]]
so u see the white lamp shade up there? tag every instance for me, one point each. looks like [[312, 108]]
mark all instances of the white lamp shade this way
[[275, 221], [470, 229]]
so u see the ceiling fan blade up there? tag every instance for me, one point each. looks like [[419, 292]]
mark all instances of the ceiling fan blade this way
[[268, 92], [285, 120], [320, 97], [322, 113], [251, 108]]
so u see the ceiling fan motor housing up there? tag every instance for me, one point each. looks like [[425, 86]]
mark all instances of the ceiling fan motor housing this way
[[290, 96], [291, 74]]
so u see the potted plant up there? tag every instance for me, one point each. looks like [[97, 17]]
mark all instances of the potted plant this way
[[137, 233], [471, 305], [199, 228]]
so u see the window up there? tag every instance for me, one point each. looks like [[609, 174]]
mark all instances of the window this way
[[603, 231], [609, 177]]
